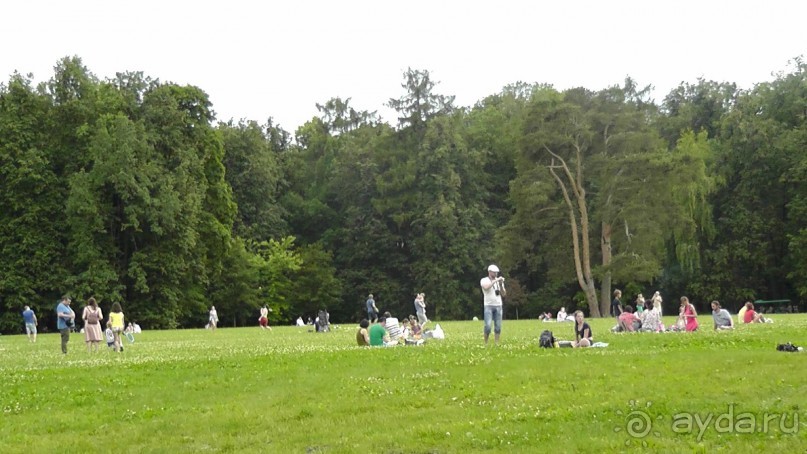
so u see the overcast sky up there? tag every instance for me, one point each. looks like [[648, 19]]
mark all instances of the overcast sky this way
[[257, 59]]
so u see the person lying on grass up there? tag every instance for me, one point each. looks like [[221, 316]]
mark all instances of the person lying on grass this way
[[721, 317], [582, 332]]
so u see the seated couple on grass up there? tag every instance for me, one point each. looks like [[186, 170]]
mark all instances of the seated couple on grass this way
[[748, 315], [687, 317]]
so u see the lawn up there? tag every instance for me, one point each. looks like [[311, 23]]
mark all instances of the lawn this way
[[291, 390]]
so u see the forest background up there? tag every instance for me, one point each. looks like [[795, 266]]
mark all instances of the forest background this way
[[129, 189]]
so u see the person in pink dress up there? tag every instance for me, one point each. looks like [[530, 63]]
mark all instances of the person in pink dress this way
[[92, 317], [688, 314]]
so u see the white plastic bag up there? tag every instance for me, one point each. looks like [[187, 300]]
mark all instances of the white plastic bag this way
[[437, 332]]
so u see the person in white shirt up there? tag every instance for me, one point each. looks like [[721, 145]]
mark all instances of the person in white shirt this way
[[492, 292], [562, 314], [214, 318]]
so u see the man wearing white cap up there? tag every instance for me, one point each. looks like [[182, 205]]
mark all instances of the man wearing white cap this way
[[493, 290]]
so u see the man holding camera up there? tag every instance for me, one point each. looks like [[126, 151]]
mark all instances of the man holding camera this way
[[65, 320], [493, 290]]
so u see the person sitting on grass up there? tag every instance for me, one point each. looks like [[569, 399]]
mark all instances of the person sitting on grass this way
[[323, 321], [392, 326], [379, 336], [582, 332], [751, 316], [628, 321], [721, 317], [688, 315], [546, 317], [414, 327], [406, 330], [362, 336], [651, 322]]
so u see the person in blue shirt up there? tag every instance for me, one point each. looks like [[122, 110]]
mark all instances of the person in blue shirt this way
[[65, 320], [29, 318]]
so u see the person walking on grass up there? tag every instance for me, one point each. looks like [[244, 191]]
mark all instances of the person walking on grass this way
[[213, 318], [372, 309], [92, 317], [29, 317], [492, 292], [263, 320], [116, 320], [65, 321]]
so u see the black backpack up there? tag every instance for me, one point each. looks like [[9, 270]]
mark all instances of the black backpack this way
[[547, 340], [788, 347]]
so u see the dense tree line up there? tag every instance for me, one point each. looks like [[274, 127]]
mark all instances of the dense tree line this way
[[129, 190]]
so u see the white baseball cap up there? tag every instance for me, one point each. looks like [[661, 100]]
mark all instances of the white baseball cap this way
[[493, 268]]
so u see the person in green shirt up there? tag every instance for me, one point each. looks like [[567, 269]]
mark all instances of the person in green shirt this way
[[378, 334]]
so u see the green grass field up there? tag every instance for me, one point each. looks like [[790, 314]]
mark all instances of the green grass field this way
[[290, 390]]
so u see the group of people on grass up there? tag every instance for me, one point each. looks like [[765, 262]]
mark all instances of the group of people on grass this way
[[321, 322], [645, 317], [419, 304], [387, 331], [648, 318], [93, 318]]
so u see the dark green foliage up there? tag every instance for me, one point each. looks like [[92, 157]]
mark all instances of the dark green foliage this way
[[254, 173]]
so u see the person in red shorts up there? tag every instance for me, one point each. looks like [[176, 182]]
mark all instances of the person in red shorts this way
[[263, 320]]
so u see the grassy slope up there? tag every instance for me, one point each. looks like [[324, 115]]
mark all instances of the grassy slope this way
[[294, 391]]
